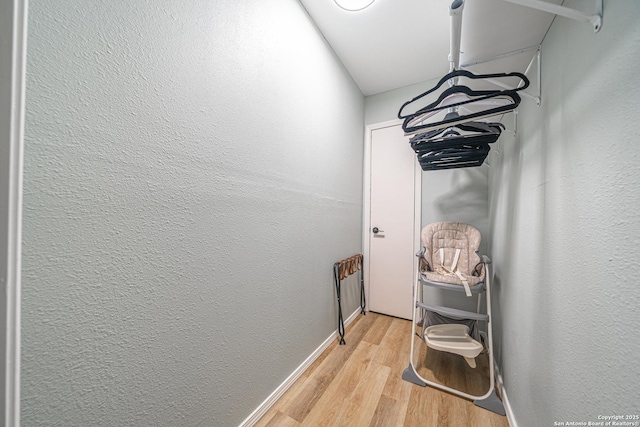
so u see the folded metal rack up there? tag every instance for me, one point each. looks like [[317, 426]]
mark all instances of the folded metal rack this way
[[341, 270]]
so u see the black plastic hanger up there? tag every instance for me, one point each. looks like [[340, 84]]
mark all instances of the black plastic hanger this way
[[459, 146], [508, 97]]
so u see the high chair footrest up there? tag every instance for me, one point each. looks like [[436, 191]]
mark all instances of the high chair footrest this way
[[454, 313]]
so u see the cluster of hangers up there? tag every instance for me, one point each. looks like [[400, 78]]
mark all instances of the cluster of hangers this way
[[349, 266], [459, 139]]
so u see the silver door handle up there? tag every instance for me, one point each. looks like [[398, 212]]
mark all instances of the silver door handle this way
[[376, 230]]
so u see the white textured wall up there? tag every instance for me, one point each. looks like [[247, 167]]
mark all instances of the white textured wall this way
[[565, 215], [192, 171], [384, 106], [6, 54]]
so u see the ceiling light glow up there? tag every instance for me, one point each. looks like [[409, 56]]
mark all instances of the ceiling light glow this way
[[353, 5]]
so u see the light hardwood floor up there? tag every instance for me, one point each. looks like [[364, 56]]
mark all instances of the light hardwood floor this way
[[360, 384]]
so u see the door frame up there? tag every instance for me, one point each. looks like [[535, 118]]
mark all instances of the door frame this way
[[366, 204], [12, 87]]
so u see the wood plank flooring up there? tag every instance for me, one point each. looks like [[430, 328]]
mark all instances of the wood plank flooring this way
[[360, 384]]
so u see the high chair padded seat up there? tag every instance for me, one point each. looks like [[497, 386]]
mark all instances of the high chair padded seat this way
[[451, 253]]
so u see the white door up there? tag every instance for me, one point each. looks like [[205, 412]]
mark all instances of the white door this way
[[392, 219]]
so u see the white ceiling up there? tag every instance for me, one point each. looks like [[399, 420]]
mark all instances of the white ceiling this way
[[394, 43]]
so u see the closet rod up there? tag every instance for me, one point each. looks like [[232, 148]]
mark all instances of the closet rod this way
[[455, 12], [595, 20]]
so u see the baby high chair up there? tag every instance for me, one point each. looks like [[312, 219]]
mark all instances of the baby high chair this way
[[449, 260]]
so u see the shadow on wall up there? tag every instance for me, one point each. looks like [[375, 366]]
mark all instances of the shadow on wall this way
[[466, 201], [457, 195]]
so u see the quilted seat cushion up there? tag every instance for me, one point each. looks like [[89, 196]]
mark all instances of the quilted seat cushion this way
[[442, 240], [452, 278]]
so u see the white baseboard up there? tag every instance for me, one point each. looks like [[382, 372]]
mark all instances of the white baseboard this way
[[259, 412], [505, 400]]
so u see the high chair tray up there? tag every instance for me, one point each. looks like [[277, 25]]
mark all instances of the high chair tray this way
[[452, 338]]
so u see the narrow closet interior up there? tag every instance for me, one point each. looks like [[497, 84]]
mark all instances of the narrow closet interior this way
[[197, 226]]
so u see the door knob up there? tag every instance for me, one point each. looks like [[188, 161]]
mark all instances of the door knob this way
[[376, 230]]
